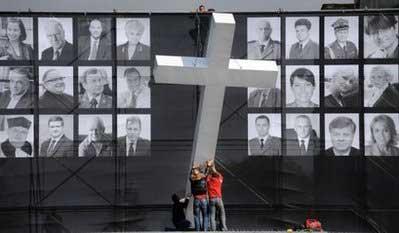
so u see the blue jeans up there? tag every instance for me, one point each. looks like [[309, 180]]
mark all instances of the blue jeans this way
[[217, 207], [201, 210]]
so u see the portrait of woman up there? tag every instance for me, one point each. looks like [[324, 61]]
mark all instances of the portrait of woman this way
[[381, 89], [383, 137], [303, 86], [14, 47]]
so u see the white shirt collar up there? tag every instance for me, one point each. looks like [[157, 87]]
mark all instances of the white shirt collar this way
[[265, 42], [304, 43], [264, 138], [344, 154], [306, 142]]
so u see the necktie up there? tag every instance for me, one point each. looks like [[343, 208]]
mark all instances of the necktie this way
[[56, 55], [262, 48], [302, 147], [262, 102], [93, 51], [262, 144], [340, 100], [300, 49], [93, 103], [133, 100], [131, 149], [50, 148]]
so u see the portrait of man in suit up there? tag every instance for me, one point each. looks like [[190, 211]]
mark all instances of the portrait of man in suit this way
[[342, 132], [343, 88], [264, 143], [94, 96], [95, 46], [264, 48], [138, 93], [60, 49], [265, 98], [381, 87], [305, 48], [57, 145], [54, 95], [341, 47], [383, 34], [302, 140], [20, 91], [133, 49], [97, 142], [132, 144], [16, 145], [303, 85]]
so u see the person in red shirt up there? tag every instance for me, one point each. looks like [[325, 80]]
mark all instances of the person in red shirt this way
[[214, 183]]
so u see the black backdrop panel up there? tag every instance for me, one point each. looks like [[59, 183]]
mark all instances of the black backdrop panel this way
[[277, 183]]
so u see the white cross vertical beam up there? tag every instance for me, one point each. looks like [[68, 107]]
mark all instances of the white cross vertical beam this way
[[213, 73]]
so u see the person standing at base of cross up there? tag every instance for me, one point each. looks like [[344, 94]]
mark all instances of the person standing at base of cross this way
[[199, 192], [214, 181]]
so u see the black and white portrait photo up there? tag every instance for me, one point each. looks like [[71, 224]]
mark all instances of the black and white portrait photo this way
[[264, 134], [302, 38], [134, 135], [94, 41], [95, 135], [95, 89], [302, 134], [381, 87], [16, 87], [341, 86], [16, 136], [381, 36], [342, 134], [133, 39], [56, 136], [381, 137], [263, 38], [16, 38], [133, 89], [341, 35], [56, 39], [302, 86], [265, 97], [56, 87]]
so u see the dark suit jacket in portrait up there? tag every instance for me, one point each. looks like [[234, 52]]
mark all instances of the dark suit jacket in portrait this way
[[26, 101], [335, 51], [143, 147], [293, 146], [353, 152], [63, 148], [310, 51], [103, 50], [8, 150], [271, 52], [272, 146], [273, 98], [50, 100], [105, 101], [351, 100], [86, 148], [389, 98], [25, 50], [142, 52], [66, 53]]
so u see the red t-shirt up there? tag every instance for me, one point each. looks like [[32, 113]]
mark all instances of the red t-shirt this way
[[214, 184]]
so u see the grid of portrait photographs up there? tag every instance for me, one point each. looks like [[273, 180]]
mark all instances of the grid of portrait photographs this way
[[78, 86], [75, 86], [338, 88]]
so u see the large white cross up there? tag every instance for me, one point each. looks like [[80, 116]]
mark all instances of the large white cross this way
[[214, 72]]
